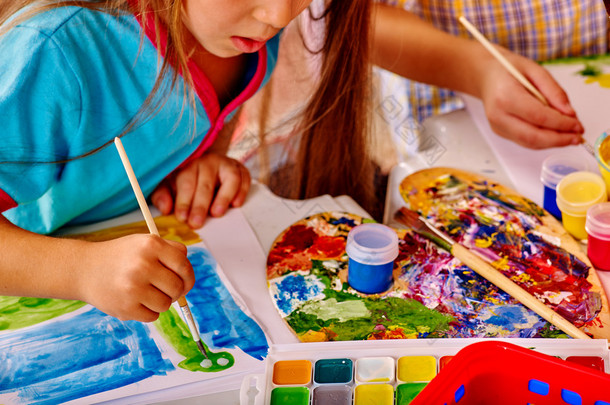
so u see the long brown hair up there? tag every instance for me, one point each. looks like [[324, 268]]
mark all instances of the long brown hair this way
[[333, 155]]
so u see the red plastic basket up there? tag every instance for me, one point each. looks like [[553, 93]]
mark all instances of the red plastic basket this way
[[502, 373]]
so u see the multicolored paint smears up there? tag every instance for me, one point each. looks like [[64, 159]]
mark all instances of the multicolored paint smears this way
[[53, 351], [433, 294], [506, 230]]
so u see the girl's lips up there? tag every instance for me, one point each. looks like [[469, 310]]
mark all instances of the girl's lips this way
[[247, 45]]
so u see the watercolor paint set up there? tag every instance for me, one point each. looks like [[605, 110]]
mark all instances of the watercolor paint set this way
[[388, 372]]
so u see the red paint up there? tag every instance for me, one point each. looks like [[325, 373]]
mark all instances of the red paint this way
[[444, 361], [594, 362], [598, 251], [327, 247], [298, 238]]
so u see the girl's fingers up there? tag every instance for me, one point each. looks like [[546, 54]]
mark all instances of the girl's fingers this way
[[144, 314], [231, 179], [244, 188], [177, 276], [162, 198], [531, 136], [554, 93], [186, 186], [155, 300], [204, 193]]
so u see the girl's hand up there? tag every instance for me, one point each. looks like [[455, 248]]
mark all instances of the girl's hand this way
[[135, 277], [514, 113], [211, 183]]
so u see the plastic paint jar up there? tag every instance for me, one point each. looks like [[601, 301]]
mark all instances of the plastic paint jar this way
[[598, 229], [602, 154], [371, 249], [555, 168], [576, 193]]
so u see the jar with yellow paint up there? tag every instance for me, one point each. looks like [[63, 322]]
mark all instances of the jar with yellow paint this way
[[576, 193], [602, 154]]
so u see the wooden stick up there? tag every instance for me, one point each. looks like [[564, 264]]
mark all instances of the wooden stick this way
[[511, 69], [487, 271], [152, 228]]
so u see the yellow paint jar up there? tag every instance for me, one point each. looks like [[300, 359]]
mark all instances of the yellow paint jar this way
[[576, 193], [602, 154]]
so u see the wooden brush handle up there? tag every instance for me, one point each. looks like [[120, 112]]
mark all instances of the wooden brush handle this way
[[487, 271]]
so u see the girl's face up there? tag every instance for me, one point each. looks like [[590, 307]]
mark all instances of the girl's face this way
[[229, 28]]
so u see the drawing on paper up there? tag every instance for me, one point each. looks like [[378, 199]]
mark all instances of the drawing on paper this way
[[433, 294], [56, 350]]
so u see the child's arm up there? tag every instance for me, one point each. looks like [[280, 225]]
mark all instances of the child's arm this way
[[133, 277], [409, 46]]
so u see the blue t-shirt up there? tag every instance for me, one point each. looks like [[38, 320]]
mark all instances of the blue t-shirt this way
[[71, 79]]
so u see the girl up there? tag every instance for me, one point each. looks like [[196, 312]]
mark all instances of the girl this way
[[165, 75]]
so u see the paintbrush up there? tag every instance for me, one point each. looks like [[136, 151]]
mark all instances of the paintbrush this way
[[152, 227], [420, 225], [513, 70]]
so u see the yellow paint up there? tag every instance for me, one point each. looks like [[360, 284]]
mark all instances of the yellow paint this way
[[169, 228], [575, 225], [581, 192], [602, 79], [286, 372], [604, 156], [604, 150], [416, 368], [484, 242], [374, 394], [576, 198], [501, 263]]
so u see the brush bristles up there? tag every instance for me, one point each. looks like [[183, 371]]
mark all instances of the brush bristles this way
[[413, 220]]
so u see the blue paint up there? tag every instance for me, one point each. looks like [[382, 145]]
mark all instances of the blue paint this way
[[370, 278], [77, 356], [507, 317], [372, 249], [219, 318], [538, 387], [292, 290], [549, 202]]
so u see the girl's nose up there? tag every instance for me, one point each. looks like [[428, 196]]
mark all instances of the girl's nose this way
[[276, 13]]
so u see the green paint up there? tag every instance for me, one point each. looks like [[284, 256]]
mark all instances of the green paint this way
[[21, 312], [604, 59], [590, 70], [551, 332], [331, 309], [407, 316], [290, 396], [176, 332], [405, 393], [333, 371]]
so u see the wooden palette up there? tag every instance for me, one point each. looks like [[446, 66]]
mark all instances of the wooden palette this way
[[437, 193], [433, 294]]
